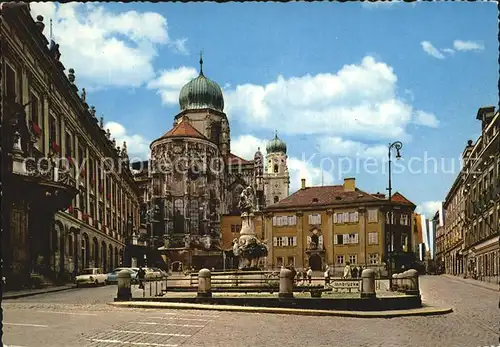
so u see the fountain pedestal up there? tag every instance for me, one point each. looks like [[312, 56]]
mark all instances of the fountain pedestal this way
[[248, 247]]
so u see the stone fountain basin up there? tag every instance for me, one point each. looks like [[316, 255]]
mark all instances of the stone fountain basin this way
[[336, 301]]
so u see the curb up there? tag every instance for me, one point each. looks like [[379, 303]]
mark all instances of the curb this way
[[424, 311], [458, 279], [23, 295]]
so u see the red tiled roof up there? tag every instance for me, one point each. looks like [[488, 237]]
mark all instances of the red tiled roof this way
[[233, 159], [324, 195], [400, 199], [184, 129]]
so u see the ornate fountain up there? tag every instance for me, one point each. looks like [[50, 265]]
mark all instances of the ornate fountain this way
[[248, 247]]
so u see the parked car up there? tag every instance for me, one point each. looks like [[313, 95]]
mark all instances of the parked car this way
[[92, 275], [152, 273], [113, 275]]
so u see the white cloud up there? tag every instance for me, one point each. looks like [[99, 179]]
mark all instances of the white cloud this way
[[338, 146], [106, 48], [245, 146], [448, 50], [426, 119], [137, 146], [431, 50], [357, 100], [314, 176], [170, 82], [428, 208], [460, 45], [179, 45]]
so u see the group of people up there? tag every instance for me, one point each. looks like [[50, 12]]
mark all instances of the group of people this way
[[305, 275], [352, 271]]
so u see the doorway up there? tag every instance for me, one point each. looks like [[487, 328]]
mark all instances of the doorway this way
[[315, 262]]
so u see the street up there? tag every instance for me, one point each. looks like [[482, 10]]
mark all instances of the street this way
[[80, 317]]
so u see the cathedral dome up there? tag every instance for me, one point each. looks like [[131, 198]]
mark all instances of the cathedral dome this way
[[276, 145], [201, 93]]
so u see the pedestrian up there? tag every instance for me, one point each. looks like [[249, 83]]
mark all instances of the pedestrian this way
[[299, 277], [347, 271], [309, 275], [354, 272], [327, 276], [141, 274]]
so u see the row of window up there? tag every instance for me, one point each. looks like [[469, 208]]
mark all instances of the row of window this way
[[341, 259], [340, 218], [404, 219], [285, 241], [338, 239], [373, 258], [36, 113]]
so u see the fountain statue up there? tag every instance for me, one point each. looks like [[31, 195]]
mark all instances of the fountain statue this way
[[248, 247]]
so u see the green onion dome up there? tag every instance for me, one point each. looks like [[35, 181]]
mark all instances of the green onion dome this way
[[201, 93], [276, 145]]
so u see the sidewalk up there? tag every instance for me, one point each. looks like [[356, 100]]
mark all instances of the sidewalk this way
[[423, 311], [30, 292], [477, 283]]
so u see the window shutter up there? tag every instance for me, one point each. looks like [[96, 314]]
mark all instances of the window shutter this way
[[319, 219], [274, 221], [320, 242], [375, 238], [275, 241], [285, 220], [335, 239], [294, 220], [356, 217], [310, 219], [356, 238], [334, 218], [346, 238], [295, 241]]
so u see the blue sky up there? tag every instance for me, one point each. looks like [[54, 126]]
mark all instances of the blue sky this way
[[338, 80]]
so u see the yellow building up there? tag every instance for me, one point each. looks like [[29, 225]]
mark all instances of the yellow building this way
[[231, 227], [327, 225]]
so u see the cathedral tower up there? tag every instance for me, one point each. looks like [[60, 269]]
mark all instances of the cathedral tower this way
[[277, 178], [202, 104]]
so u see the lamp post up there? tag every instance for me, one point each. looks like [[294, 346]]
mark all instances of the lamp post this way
[[397, 145]]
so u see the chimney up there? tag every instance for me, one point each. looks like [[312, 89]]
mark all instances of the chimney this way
[[349, 184], [303, 181]]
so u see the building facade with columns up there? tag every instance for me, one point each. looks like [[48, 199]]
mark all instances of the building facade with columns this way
[[331, 225], [73, 200]]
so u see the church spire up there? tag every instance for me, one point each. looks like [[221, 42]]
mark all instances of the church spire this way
[[201, 63]]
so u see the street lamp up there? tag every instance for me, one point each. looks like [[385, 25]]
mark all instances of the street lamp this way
[[397, 145]]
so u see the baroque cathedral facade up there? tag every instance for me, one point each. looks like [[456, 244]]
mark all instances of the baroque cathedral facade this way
[[193, 179]]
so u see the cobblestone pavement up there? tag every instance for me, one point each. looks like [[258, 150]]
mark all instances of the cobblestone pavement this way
[[81, 318]]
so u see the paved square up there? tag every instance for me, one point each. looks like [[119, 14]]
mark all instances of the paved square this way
[[81, 317]]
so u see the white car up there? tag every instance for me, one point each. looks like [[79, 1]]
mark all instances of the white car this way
[[92, 275], [152, 273]]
